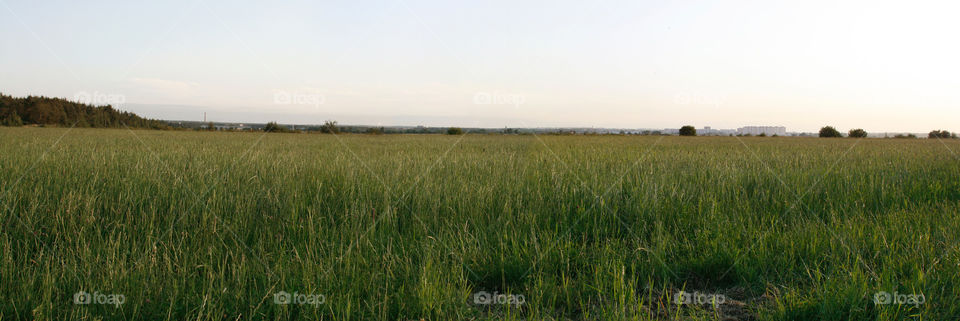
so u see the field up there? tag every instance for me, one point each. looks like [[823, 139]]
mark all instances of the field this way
[[214, 226]]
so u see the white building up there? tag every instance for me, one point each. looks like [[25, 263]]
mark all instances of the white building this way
[[710, 131], [757, 130]]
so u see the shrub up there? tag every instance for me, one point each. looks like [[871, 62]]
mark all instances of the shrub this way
[[828, 131], [939, 134], [688, 131], [330, 127], [857, 133], [273, 127], [454, 131]]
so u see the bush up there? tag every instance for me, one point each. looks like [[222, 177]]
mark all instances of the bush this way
[[857, 133], [939, 134], [454, 131], [273, 127], [330, 127], [828, 131], [688, 131]]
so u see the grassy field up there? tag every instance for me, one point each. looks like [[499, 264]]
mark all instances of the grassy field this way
[[217, 226]]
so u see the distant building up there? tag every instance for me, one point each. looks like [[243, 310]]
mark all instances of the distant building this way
[[767, 130], [710, 131], [748, 130]]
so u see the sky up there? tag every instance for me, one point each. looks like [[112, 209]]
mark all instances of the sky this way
[[877, 65]]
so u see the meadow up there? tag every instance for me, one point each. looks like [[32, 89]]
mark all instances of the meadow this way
[[218, 226]]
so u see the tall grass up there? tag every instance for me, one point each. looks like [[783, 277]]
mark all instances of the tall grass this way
[[209, 226]]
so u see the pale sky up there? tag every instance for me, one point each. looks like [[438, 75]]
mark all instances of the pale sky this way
[[877, 65]]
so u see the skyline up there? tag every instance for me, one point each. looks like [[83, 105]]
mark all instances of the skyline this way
[[497, 64]]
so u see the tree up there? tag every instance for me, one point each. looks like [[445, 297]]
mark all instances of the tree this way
[[857, 133], [272, 127], [58, 111], [454, 131], [688, 131], [45, 112], [828, 131], [12, 119], [939, 134], [330, 127]]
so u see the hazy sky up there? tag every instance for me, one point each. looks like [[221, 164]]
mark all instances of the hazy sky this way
[[882, 66]]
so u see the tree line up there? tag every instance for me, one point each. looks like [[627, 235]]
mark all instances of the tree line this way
[[39, 110], [829, 131]]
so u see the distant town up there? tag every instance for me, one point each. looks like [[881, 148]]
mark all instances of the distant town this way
[[742, 131]]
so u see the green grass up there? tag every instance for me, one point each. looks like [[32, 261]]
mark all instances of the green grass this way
[[208, 226]]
